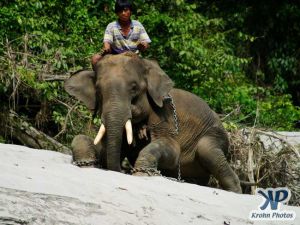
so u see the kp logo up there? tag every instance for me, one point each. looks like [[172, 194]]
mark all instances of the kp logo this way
[[273, 198]]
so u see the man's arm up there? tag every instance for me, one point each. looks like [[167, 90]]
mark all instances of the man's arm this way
[[107, 47], [144, 39], [108, 39]]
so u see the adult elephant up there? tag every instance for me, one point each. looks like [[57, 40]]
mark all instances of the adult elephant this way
[[184, 132]]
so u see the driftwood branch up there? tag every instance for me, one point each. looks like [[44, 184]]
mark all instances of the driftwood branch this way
[[29, 136], [54, 77], [250, 165], [63, 130], [266, 157], [275, 136]]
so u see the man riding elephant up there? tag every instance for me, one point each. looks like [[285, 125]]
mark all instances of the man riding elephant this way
[[128, 92], [123, 34]]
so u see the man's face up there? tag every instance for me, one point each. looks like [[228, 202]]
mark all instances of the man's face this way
[[124, 15]]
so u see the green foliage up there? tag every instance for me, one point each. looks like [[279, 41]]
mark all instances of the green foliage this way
[[192, 48], [209, 48], [2, 140], [278, 112], [275, 42], [48, 37]]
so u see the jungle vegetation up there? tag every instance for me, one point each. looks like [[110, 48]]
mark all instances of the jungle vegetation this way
[[242, 57]]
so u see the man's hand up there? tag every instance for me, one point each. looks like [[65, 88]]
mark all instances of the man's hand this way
[[106, 48], [96, 58], [142, 46]]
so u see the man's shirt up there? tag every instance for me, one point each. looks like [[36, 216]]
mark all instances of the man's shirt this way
[[119, 42]]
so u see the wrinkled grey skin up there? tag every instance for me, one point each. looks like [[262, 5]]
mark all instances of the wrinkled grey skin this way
[[128, 87]]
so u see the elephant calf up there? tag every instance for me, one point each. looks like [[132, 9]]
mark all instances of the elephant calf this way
[[129, 92]]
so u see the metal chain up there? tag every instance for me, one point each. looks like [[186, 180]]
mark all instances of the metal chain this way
[[179, 171], [148, 171], [155, 172], [85, 163], [176, 132], [174, 115]]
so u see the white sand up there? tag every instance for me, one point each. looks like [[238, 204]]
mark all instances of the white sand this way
[[43, 187]]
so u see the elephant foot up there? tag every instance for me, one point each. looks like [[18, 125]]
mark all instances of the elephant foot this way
[[145, 172]]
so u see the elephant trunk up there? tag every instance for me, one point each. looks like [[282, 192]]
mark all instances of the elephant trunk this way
[[115, 120]]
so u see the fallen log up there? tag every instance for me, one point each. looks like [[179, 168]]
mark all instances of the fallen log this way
[[54, 77], [29, 136]]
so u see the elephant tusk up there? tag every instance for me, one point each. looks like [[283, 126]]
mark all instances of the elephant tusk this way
[[128, 128], [100, 134]]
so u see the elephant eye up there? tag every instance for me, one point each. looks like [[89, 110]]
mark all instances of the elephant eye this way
[[134, 89], [134, 100]]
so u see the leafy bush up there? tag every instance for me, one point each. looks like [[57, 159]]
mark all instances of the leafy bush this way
[[199, 51], [278, 112]]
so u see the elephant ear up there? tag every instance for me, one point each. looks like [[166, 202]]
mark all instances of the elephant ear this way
[[81, 85], [159, 83]]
